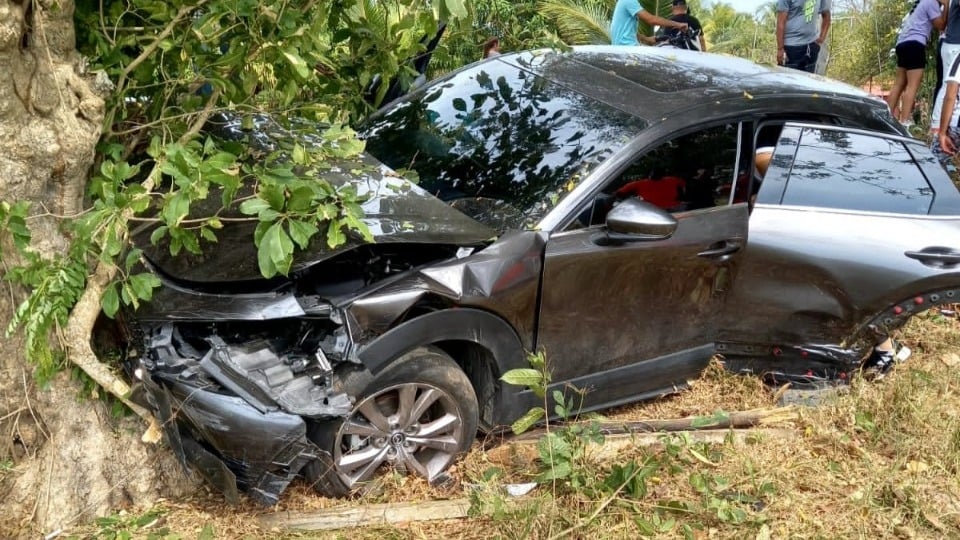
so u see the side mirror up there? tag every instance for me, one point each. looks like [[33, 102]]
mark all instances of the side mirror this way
[[634, 220]]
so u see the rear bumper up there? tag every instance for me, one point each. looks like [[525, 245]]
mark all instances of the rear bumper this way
[[228, 442]]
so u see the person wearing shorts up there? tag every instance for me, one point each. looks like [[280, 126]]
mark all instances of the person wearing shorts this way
[[911, 55], [799, 36]]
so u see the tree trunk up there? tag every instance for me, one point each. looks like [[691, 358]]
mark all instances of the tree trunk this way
[[63, 460]]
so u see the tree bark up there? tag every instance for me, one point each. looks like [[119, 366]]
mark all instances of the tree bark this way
[[71, 461]]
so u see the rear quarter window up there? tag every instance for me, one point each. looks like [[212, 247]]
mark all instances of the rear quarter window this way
[[854, 171]]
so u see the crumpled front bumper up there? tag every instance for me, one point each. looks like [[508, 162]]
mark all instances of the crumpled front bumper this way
[[228, 442]]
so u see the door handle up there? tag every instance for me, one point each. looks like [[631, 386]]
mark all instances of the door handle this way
[[720, 249], [936, 256]]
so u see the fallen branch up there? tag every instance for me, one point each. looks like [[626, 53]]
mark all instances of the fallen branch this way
[[523, 452], [367, 515], [733, 420]]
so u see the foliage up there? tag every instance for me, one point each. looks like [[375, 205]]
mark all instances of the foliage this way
[[579, 22], [563, 451], [861, 40], [519, 25], [567, 465], [174, 65], [148, 525]]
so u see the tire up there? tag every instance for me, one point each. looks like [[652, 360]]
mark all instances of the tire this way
[[418, 415]]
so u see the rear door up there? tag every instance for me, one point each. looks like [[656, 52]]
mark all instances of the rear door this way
[[850, 229], [628, 320]]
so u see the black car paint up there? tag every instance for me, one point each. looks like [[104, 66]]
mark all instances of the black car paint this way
[[487, 300]]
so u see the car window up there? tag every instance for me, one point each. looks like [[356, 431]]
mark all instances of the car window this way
[[501, 144], [691, 172], [853, 171]]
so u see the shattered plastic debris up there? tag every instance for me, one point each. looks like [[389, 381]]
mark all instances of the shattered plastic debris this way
[[519, 490]]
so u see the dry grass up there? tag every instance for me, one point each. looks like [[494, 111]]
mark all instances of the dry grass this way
[[881, 461]]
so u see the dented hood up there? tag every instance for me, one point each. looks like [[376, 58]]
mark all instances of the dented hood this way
[[396, 211]]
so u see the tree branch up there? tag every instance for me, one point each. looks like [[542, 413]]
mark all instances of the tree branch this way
[[149, 50], [85, 312]]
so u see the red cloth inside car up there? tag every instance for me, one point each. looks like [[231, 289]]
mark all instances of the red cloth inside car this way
[[664, 192]]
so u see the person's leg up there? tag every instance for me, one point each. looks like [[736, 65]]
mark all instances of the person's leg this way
[[796, 54], [909, 96], [813, 51], [935, 110], [893, 99], [948, 54]]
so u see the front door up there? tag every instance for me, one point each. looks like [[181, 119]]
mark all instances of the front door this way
[[634, 318]]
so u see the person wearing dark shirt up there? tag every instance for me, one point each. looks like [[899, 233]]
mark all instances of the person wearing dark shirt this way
[[691, 39]]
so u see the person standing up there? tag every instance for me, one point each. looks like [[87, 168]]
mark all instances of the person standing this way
[[911, 53], [627, 15], [947, 140], [491, 48], [798, 38], [692, 39], [949, 49]]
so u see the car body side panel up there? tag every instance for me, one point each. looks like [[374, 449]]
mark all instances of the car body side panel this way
[[626, 384], [609, 306], [503, 279], [818, 276]]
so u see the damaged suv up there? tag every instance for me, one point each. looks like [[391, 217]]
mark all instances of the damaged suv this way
[[606, 205]]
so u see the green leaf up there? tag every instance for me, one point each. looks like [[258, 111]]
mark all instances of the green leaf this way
[[554, 447], [556, 471], [560, 400], [537, 360], [299, 155], [646, 528], [335, 236], [252, 207], [456, 8], [298, 64], [157, 234], [143, 285], [698, 482], [112, 244], [132, 258], [207, 234], [110, 301], [268, 215], [525, 377], [274, 195], [275, 254], [176, 208], [301, 232], [528, 420], [301, 199]]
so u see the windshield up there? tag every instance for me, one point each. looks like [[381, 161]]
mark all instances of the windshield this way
[[498, 142]]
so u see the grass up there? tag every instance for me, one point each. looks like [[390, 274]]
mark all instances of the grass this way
[[879, 461]]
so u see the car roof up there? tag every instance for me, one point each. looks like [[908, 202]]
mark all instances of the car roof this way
[[652, 82]]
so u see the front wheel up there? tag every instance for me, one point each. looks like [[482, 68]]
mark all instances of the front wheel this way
[[417, 416]]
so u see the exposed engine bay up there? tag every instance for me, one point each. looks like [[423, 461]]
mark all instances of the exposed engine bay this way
[[273, 366]]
